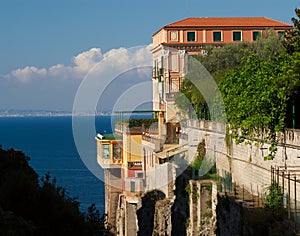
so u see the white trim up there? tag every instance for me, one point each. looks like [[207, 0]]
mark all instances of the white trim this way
[[181, 36], [204, 36]]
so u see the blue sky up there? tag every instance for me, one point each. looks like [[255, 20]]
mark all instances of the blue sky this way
[[39, 35]]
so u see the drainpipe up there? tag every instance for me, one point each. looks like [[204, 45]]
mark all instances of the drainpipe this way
[[293, 114]]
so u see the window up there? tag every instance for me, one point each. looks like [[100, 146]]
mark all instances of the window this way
[[217, 36], [173, 36], [139, 175], [132, 186], [237, 36], [174, 85], [191, 36], [105, 151], [281, 33], [117, 151], [255, 35]]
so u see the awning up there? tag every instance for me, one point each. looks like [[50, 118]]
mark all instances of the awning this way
[[176, 149]]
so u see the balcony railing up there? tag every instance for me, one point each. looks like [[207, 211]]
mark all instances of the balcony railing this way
[[134, 165], [170, 96], [137, 126]]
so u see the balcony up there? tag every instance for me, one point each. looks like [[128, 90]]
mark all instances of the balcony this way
[[153, 142], [170, 150], [170, 97], [135, 126], [109, 153], [134, 165], [133, 187]]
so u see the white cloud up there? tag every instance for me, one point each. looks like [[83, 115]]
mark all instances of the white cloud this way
[[55, 87], [86, 60], [27, 73], [119, 58]]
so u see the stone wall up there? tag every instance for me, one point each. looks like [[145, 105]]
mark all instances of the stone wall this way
[[162, 218], [202, 208], [244, 163]]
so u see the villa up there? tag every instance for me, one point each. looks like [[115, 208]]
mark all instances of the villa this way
[[144, 156]]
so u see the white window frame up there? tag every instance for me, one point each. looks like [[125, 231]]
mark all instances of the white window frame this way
[[234, 31], [221, 31]]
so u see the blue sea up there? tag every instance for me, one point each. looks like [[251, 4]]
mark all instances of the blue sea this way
[[48, 141]]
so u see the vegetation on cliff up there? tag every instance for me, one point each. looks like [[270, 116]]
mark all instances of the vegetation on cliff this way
[[32, 207]]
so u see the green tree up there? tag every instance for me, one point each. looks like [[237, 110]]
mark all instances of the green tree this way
[[292, 75], [219, 62], [30, 207], [292, 37]]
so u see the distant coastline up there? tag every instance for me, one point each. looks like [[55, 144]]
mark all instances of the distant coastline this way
[[45, 113]]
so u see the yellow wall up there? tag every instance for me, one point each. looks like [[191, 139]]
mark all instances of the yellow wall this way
[[132, 148]]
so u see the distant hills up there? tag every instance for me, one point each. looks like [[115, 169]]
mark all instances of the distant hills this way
[[38, 113]]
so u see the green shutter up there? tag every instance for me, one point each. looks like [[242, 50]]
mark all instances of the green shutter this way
[[217, 36], [255, 35], [191, 36], [237, 36], [132, 186]]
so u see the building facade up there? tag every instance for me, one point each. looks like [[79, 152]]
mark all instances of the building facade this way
[[173, 43], [142, 157]]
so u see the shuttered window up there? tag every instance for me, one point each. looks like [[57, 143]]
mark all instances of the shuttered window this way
[[237, 36], [191, 36], [255, 35], [217, 36]]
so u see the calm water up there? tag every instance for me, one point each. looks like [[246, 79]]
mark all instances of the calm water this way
[[48, 141]]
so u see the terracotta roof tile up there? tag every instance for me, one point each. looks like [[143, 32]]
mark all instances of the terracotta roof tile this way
[[228, 22]]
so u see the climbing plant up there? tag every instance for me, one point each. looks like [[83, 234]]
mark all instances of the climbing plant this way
[[255, 103]]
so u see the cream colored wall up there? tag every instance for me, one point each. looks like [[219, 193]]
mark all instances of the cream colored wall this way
[[160, 37], [132, 148]]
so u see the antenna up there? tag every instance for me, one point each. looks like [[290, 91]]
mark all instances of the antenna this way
[[187, 7]]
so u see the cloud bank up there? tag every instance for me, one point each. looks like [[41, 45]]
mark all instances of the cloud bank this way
[[54, 88]]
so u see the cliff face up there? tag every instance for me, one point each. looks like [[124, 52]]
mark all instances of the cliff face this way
[[202, 204], [162, 218], [189, 213]]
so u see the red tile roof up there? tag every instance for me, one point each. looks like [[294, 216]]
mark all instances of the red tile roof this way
[[228, 22]]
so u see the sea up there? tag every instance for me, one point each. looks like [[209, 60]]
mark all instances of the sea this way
[[49, 143]]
